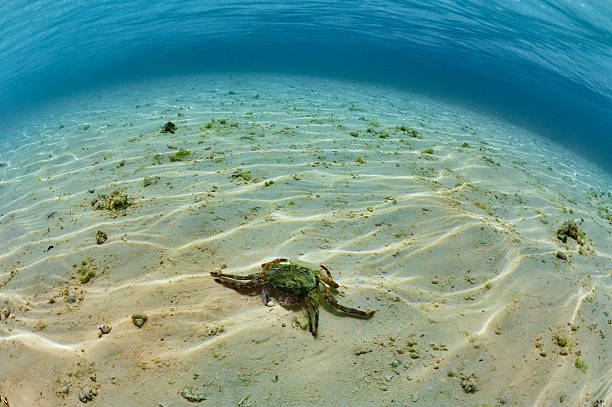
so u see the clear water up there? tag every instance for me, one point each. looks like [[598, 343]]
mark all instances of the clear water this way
[[428, 153], [540, 63]]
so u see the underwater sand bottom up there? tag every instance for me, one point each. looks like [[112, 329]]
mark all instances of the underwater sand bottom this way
[[441, 220]]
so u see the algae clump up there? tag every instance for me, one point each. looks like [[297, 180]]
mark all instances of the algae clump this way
[[115, 201], [581, 365], [169, 127], [180, 155], [87, 273], [571, 229]]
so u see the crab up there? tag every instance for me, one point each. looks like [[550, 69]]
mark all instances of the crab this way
[[296, 283]]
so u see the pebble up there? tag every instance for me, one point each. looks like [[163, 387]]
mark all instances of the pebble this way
[[543, 353], [87, 394], [415, 397], [103, 330], [92, 190], [564, 351], [139, 319], [396, 363], [71, 298]]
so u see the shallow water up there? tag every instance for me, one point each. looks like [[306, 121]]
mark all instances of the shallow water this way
[[544, 65], [455, 248], [430, 155]]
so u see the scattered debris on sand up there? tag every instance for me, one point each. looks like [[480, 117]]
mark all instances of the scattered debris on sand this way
[[117, 200], [101, 237], [190, 395], [571, 229]]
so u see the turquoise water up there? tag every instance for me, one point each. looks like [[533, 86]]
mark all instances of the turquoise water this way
[[546, 65]]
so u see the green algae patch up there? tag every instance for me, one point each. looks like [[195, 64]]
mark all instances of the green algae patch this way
[[87, 271], [180, 155], [243, 175], [581, 365], [408, 131], [564, 342]]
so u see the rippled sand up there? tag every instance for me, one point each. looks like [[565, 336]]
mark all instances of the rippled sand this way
[[455, 248]]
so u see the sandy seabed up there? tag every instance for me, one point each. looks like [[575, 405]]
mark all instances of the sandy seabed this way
[[448, 232]]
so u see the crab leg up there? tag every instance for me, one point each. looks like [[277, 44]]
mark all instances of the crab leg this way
[[254, 276], [269, 264], [312, 301], [240, 285], [329, 280], [332, 301]]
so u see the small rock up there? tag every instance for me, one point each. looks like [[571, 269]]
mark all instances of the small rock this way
[[189, 395], [434, 281], [561, 256], [543, 353], [414, 355], [139, 319], [415, 397], [91, 190], [87, 394], [105, 329], [169, 127], [564, 351], [101, 237], [396, 363], [71, 298]]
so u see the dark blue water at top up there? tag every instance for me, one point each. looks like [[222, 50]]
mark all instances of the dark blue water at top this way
[[543, 64]]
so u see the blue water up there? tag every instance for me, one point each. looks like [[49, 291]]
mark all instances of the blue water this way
[[543, 64]]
